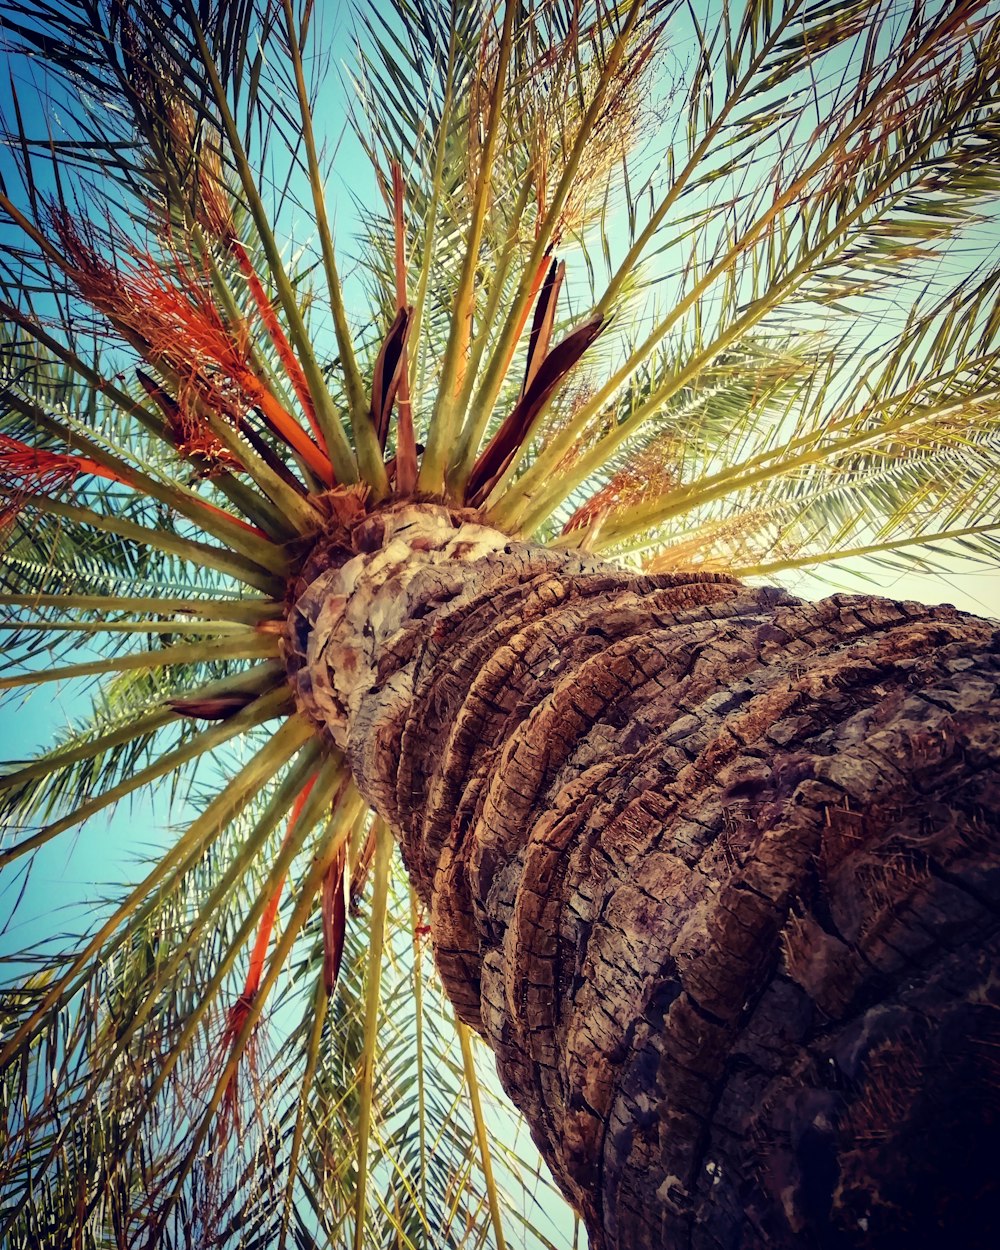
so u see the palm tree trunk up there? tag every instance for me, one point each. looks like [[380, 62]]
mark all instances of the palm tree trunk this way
[[712, 869]]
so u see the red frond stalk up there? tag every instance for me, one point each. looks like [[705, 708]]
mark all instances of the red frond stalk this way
[[31, 471], [27, 471], [203, 168], [266, 925], [193, 437], [287, 428], [237, 1014], [279, 340], [190, 433], [536, 285]]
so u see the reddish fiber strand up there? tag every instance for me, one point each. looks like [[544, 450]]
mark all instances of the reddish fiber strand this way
[[266, 925], [27, 472]]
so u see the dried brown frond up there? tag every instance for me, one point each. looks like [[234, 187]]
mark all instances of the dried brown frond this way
[[554, 93], [719, 546], [172, 317], [333, 917], [651, 472], [479, 104], [575, 399], [192, 435], [199, 156], [184, 150]]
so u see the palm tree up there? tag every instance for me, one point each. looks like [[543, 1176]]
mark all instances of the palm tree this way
[[441, 537]]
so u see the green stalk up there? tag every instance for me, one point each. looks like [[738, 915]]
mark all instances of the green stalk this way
[[253, 646], [40, 768], [854, 440], [213, 628], [437, 191], [418, 1008], [258, 679], [851, 553], [320, 1003], [366, 445], [249, 611], [255, 547], [190, 549], [459, 475], [486, 396], [380, 894], [337, 446], [410, 1193], [482, 1136], [461, 1179], [443, 422], [263, 709], [234, 796]]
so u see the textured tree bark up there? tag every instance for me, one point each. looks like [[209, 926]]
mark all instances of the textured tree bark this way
[[713, 870]]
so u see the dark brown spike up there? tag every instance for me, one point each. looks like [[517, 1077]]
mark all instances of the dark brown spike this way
[[218, 707], [387, 373], [167, 405], [406, 449], [334, 918], [542, 322], [502, 446]]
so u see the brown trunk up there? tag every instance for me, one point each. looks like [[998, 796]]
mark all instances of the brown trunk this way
[[713, 870]]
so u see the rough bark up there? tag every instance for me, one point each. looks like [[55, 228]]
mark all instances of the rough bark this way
[[714, 871]]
